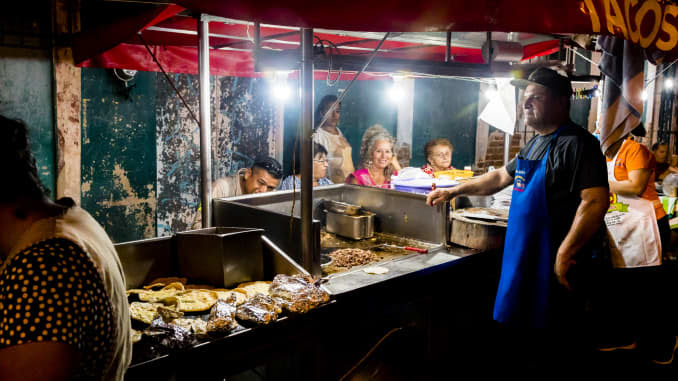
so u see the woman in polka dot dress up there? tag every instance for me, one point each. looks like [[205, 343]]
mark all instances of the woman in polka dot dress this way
[[63, 310]]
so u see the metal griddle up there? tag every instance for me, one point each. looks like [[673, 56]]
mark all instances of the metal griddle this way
[[330, 242]]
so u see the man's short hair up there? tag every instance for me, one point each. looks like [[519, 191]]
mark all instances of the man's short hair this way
[[269, 165]]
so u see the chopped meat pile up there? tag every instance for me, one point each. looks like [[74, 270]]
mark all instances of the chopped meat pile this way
[[297, 293], [352, 257]]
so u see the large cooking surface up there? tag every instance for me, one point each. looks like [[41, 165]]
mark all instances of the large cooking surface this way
[[330, 242]]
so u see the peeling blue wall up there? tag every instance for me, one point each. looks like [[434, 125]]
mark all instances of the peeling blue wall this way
[[118, 161], [26, 94]]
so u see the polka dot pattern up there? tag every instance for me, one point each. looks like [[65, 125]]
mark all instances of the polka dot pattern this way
[[52, 292]]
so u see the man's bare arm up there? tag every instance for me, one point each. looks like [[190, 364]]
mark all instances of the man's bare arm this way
[[589, 218], [489, 183]]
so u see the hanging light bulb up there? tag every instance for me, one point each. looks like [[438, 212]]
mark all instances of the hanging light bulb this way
[[396, 93], [643, 95], [668, 83], [279, 89]]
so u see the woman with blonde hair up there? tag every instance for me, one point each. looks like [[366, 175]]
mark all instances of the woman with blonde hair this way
[[378, 161]]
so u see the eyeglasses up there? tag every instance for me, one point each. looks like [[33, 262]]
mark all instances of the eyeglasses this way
[[442, 155]]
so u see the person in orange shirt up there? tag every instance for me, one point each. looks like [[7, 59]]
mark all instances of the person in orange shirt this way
[[635, 284], [634, 172]]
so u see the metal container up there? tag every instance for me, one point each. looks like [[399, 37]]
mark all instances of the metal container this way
[[342, 207], [221, 256], [354, 227]]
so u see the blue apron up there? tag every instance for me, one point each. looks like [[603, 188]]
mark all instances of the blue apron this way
[[526, 268]]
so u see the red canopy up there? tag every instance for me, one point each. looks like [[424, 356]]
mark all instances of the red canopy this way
[[347, 24]]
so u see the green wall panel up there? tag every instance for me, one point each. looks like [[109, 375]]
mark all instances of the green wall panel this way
[[445, 108], [119, 153], [26, 94]]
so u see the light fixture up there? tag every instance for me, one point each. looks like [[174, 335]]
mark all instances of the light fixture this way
[[279, 89], [668, 83], [396, 93], [643, 95]]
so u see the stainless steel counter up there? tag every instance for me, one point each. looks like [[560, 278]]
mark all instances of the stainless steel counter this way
[[397, 213]]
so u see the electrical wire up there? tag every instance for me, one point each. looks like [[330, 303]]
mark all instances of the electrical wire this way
[[661, 72], [343, 94], [389, 333], [169, 79], [331, 48]]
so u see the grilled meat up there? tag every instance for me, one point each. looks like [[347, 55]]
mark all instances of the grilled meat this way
[[352, 257]]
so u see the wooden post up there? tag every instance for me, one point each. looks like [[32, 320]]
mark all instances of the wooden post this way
[[67, 83]]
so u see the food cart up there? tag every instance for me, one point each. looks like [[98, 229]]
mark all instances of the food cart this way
[[283, 219]]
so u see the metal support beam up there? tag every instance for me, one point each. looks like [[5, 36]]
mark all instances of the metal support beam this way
[[448, 43], [205, 123], [311, 258], [257, 44]]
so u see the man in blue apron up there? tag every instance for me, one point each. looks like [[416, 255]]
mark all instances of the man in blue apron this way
[[560, 196]]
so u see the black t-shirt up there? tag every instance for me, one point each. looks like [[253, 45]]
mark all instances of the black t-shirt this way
[[575, 163]]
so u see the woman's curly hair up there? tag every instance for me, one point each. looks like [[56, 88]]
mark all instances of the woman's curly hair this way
[[19, 164], [370, 138]]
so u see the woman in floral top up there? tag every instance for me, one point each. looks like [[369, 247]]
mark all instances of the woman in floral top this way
[[438, 156]]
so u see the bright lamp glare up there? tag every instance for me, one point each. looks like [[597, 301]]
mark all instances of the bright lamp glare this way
[[280, 92], [491, 93], [396, 94], [668, 83], [643, 95]]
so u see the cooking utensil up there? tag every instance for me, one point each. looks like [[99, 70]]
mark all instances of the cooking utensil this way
[[408, 248]]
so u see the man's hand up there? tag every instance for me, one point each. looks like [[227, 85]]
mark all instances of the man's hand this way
[[562, 267], [439, 196]]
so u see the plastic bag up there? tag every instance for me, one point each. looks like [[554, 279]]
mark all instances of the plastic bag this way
[[670, 185]]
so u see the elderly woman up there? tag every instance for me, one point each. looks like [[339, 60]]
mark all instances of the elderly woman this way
[[378, 162], [438, 156], [62, 288], [319, 169]]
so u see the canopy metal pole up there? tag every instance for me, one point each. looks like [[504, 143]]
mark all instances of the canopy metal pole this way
[[205, 123], [311, 263], [448, 43]]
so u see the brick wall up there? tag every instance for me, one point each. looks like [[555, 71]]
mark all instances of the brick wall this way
[[495, 150]]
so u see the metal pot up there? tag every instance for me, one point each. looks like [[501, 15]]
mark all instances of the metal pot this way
[[342, 207], [354, 227]]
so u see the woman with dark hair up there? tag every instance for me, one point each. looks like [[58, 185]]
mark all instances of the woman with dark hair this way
[[329, 136], [661, 155], [293, 181], [63, 308], [438, 156]]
